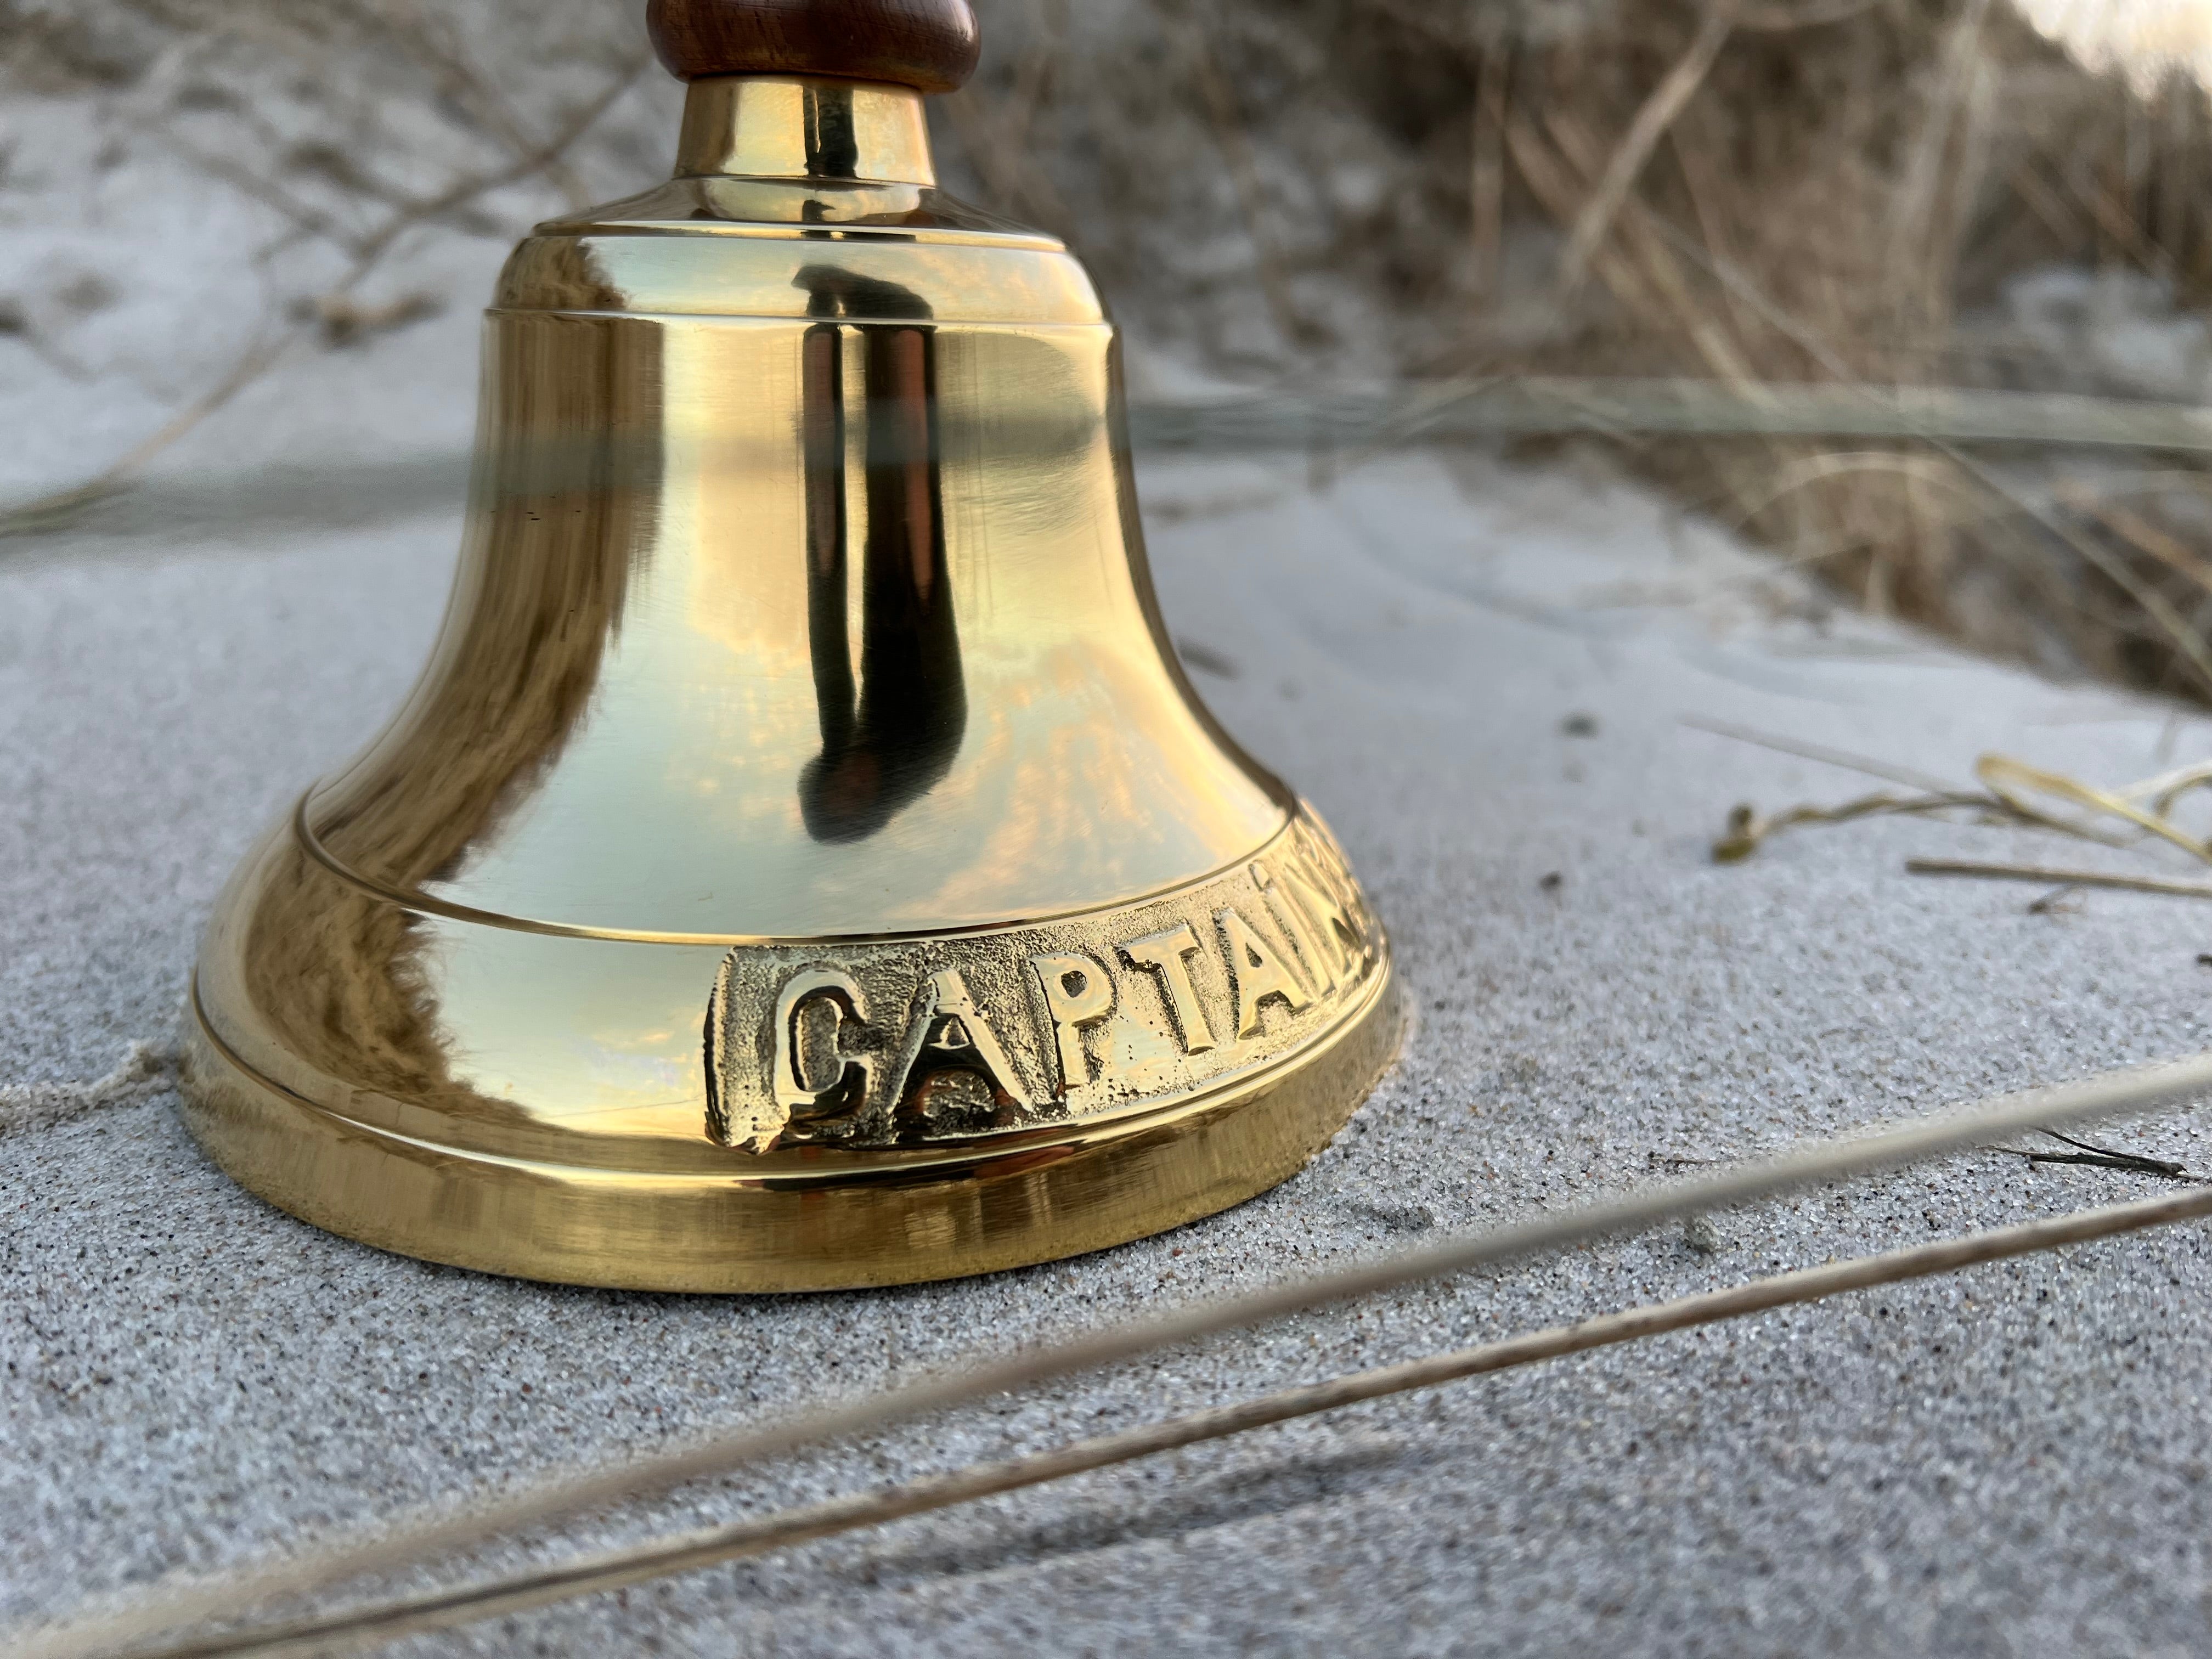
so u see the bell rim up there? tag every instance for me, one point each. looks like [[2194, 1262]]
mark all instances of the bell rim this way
[[981, 1208]]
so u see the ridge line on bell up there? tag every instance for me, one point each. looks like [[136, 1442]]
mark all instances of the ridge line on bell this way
[[303, 832]]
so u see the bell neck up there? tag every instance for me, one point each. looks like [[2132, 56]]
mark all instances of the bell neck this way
[[786, 127]]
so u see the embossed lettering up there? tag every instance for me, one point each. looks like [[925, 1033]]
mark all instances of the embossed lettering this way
[[946, 1031], [1291, 917], [1078, 992], [718, 1059], [1167, 956], [900, 1043], [1255, 972], [1333, 922], [1331, 938], [812, 1076]]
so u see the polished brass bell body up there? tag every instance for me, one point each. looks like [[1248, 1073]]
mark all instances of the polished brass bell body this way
[[802, 863]]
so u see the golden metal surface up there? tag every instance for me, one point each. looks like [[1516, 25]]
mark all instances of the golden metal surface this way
[[802, 862], [770, 127]]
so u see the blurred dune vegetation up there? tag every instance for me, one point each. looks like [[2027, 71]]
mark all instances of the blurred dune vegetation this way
[[1287, 193]]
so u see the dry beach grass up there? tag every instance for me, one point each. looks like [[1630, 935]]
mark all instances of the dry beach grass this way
[[1830, 192], [1911, 192]]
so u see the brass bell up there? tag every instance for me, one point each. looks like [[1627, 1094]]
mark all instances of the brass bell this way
[[803, 862]]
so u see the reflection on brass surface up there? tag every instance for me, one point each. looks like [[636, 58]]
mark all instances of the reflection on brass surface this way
[[802, 862]]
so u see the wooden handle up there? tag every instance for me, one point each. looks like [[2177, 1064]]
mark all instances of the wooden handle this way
[[930, 45]]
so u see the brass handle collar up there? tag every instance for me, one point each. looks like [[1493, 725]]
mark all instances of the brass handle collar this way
[[784, 127]]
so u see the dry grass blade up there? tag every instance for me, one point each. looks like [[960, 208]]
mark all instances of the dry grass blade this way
[[2187, 643], [2168, 548], [1666, 101], [663, 1557], [2092, 1099], [2005, 778], [1486, 170], [2167, 787], [1984, 870], [2108, 1157], [45, 512], [1748, 829], [1816, 752]]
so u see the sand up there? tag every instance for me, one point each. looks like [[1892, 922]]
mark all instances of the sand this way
[[1480, 673]]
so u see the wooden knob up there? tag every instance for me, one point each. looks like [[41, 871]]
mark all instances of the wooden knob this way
[[929, 45]]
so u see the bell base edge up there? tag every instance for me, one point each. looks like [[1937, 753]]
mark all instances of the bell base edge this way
[[1097, 1187]]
